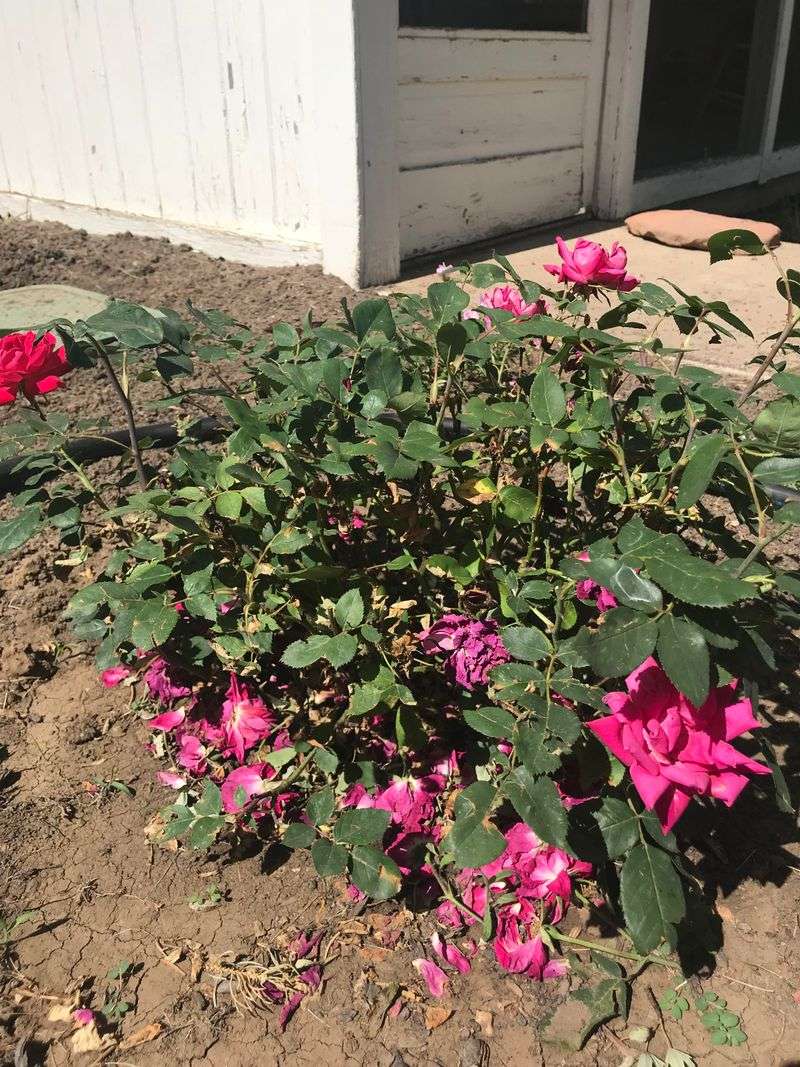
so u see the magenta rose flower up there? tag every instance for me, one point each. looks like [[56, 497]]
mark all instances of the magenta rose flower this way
[[473, 648], [588, 263], [674, 750], [35, 367], [506, 298]]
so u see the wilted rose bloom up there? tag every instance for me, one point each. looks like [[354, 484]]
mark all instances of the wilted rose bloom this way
[[171, 779], [246, 720], [435, 978], [192, 754], [450, 954], [588, 263], [588, 589], [164, 683], [473, 648], [242, 784], [506, 298], [113, 676], [674, 750], [445, 268], [35, 367], [411, 801], [524, 956]]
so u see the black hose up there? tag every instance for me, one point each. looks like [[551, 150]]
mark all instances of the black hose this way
[[14, 472]]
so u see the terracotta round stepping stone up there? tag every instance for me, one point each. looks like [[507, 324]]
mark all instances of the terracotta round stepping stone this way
[[692, 229]]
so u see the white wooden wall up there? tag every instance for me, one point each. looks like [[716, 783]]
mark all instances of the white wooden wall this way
[[195, 113]]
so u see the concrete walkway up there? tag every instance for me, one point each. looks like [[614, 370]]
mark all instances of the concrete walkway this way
[[745, 283]]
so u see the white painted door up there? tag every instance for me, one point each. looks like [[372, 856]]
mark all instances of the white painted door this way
[[497, 127]]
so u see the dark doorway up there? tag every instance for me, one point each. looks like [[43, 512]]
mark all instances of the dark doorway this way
[[702, 83]]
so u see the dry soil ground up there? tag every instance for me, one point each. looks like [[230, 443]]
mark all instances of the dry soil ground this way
[[102, 894]]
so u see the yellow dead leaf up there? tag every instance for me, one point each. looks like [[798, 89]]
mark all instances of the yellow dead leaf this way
[[61, 1013], [141, 1037], [87, 1039], [477, 490]]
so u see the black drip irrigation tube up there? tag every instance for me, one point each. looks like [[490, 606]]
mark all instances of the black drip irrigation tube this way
[[14, 472]]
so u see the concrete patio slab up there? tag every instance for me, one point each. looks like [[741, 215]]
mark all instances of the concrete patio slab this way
[[745, 283], [33, 305]]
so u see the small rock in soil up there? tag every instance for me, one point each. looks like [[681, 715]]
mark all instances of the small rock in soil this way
[[82, 733], [473, 1053]]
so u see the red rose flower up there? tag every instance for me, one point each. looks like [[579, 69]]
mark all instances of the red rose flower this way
[[34, 366]]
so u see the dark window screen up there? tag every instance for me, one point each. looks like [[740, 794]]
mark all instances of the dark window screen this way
[[569, 15], [788, 132]]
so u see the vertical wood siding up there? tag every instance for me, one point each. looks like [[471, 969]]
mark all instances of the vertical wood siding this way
[[191, 111]]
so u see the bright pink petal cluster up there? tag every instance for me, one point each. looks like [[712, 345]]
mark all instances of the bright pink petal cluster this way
[[674, 750], [588, 263], [473, 648], [35, 367], [506, 298], [536, 881], [588, 589]]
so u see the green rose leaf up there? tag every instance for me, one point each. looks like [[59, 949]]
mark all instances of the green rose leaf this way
[[619, 826], [361, 826], [329, 859], [700, 469], [683, 653], [299, 835], [652, 897], [473, 838], [526, 643], [624, 640], [538, 804], [375, 873], [490, 721]]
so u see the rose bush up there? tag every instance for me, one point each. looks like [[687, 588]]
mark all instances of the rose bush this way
[[383, 617]]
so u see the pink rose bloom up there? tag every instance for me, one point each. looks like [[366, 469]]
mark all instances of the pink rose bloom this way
[[588, 263], [246, 720], [113, 676], [82, 1016], [588, 589], [163, 683], [674, 750], [250, 779], [34, 366], [473, 648], [506, 298]]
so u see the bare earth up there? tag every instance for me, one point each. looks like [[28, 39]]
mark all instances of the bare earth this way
[[103, 893]]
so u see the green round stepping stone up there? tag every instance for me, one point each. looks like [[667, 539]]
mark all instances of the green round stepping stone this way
[[33, 305]]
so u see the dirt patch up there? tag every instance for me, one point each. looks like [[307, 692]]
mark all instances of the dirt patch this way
[[73, 846], [155, 272]]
